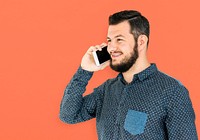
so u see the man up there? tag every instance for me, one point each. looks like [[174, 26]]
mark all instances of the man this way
[[141, 103]]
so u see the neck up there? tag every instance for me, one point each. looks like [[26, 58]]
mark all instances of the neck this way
[[140, 65]]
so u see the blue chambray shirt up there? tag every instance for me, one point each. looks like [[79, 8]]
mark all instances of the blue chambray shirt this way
[[153, 106]]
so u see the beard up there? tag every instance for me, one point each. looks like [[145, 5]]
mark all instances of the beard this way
[[127, 62]]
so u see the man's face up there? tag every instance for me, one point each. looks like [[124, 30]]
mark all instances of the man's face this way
[[122, 47]]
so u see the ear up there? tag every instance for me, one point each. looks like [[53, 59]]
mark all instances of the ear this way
[[142, 42]]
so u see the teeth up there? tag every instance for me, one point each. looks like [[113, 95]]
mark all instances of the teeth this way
[[116, 54]]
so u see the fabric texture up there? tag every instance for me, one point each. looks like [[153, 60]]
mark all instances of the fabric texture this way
[[154, 106]]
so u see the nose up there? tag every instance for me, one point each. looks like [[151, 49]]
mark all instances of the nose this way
[[111, 47]]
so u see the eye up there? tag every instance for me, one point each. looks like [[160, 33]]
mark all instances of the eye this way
[[119, 39], [108, 40]]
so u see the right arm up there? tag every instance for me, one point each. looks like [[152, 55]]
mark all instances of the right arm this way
[[74, 107]]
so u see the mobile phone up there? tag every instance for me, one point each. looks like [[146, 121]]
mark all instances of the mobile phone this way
[[101, 56]]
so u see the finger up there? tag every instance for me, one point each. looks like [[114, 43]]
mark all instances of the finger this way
[[92, 49], [98, 47], [103, 45]]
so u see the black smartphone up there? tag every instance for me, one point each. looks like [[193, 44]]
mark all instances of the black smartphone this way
[[101, 56]]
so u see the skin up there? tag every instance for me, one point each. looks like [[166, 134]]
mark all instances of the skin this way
[[120, 44]]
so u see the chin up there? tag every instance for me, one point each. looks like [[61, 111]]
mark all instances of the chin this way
[[115, 63]]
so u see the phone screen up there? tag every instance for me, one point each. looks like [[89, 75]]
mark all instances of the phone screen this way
[[103, 55]]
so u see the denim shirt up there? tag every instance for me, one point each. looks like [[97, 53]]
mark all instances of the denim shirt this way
[[154, 106]]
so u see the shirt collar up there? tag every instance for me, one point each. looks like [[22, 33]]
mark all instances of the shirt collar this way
[[143, 74]]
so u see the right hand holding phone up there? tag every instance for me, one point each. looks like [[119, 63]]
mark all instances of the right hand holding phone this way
[[88, 62]]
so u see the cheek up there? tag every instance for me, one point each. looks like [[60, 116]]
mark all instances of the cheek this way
[[126, 48]]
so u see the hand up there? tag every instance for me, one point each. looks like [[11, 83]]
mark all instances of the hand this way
[[88, 62]]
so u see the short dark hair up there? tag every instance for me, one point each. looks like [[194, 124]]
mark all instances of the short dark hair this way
[[138, 23]]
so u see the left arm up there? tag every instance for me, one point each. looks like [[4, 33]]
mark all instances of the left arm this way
[[180, 121]]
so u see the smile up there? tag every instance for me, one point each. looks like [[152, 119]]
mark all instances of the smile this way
[[116, 54]]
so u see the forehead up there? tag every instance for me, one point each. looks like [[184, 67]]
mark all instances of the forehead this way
[[122, 29]]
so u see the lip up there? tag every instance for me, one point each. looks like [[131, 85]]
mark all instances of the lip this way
[[116, 54]]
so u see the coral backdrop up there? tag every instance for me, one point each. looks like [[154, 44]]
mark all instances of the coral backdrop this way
[[42, 43]]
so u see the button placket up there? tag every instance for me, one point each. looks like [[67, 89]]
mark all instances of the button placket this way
[[119, 115]]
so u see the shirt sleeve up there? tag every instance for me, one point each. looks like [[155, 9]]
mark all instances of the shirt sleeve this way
[[180, 120], [74, 107]]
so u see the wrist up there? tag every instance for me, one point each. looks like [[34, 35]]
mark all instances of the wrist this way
[[85, 70]]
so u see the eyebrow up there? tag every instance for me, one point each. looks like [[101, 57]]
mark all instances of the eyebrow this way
[[116, 36]]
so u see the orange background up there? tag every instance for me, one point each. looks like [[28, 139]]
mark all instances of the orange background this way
[[42, 43]]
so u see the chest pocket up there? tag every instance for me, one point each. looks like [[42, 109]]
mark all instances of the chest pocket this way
[[135, 122]]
